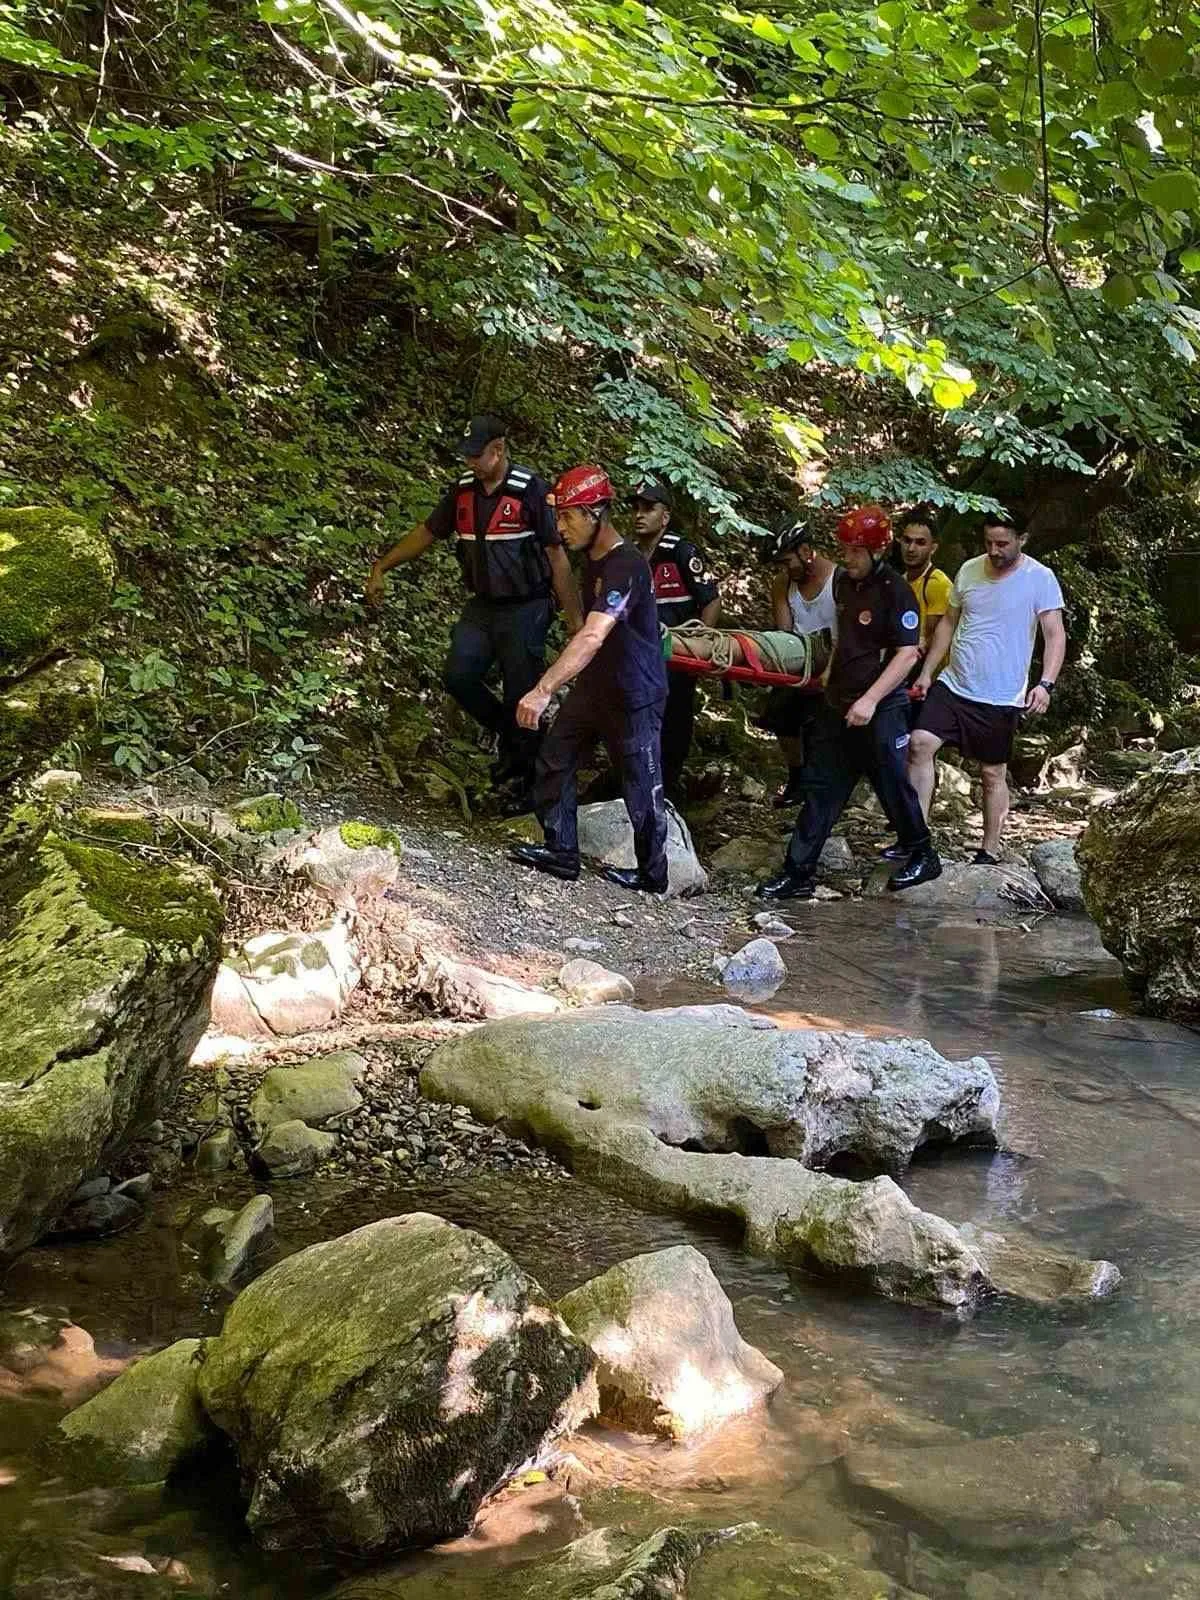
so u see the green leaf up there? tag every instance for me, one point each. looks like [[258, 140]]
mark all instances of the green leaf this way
[[1120, 291], [892, 12], [839, 60], [986, 19], [1016, 180], [1174, 191], [765, 29], [948, 395], [1165, 54], [1118, 99], [823, 142], [894, 104], [1189, 260]]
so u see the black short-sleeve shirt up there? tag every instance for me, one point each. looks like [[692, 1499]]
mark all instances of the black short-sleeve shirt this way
[[683, 585], [877, 615], [628, 669], [510, 566]]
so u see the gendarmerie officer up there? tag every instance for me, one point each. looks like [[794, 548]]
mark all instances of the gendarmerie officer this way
[[863, 728], [512, 560], [618, 695], [684, 590]]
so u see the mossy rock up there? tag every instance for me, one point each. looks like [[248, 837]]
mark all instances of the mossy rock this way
[[115, 825], [56, 574], [46, 709], [268, 813], [105, 974], [369, 835], [148, 1423]]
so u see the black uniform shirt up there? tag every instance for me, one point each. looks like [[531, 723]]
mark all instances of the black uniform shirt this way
[[683, 585], [628, 670], [512, 566], [877, 616]]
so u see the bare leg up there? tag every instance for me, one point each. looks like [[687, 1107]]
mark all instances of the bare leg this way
[[995, 806], [922, 773]]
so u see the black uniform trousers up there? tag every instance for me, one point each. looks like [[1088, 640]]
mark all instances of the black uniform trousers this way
[[511, 634], [836, 758], [632, 739], [679, 721]]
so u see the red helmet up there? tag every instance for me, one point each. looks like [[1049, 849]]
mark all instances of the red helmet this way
[[869, 526], [581, 486]]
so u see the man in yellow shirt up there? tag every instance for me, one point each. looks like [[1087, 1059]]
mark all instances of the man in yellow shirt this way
[[917, 536]]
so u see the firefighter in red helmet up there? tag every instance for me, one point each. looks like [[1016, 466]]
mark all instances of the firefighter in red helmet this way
[[619, 690], [512, 560], [862, 729]]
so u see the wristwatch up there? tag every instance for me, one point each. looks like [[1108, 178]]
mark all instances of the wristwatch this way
[[1047, 684]]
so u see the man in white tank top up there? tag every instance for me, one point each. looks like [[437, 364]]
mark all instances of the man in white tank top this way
[[801, 602]]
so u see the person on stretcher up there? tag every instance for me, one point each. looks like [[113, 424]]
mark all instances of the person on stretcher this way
[[769, 654]]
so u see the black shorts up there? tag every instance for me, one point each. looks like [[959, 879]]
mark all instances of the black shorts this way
[[983, 733]]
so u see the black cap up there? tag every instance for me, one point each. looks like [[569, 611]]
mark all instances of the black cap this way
[[652, 489], [480, 433]]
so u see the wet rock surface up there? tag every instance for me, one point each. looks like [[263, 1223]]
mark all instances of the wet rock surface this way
[[148, 1423], [1001, 1493], [379, 1385], [1140, 864], [670, 1359]]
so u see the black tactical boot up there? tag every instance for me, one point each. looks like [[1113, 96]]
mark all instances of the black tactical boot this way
[[921, 867], [540, 856], [632, 878], [788, 886]]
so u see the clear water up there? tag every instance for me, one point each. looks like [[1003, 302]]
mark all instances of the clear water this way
[[1101, 1153]]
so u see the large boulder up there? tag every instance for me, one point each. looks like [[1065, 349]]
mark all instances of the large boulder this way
[[1009, 890], [379, 1385], [56, 574], [105, 973], [670, 1357], [796, 1092], [606, 836], [1140, 864], [148, 1423], [1054, 864], [695, 1117]]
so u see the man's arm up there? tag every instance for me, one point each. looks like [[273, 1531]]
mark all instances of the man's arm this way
[[1054, 652], [781, 612], [412, 545], [569, 665], [938, 646], [565, 590], [894, 674]]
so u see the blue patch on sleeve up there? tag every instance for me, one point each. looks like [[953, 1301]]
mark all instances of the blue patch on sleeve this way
[[909, 619]]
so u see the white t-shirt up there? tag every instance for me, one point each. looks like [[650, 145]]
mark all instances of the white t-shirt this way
[[993, 643], [817, 614]]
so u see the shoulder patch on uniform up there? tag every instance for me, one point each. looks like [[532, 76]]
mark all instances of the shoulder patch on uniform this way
[[909, 619], [696, 565]]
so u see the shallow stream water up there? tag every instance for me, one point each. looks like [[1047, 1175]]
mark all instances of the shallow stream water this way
[[1100, 1154]]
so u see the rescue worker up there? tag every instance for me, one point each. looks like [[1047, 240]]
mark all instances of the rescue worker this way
[[618, 694], [863, 727], [801, 602], [511, 559], [684, 590]]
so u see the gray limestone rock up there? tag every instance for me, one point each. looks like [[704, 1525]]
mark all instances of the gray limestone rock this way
[[317, 1091], [754, 973], [292, 1149], [670, 1359], [1053, 862]]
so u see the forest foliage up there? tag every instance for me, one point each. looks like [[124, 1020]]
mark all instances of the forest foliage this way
[[260, 260]]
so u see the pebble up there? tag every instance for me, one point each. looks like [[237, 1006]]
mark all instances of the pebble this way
[[622, 919], [583, 946]]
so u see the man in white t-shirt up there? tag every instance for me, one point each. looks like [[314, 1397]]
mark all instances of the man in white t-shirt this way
[[998, 602]]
